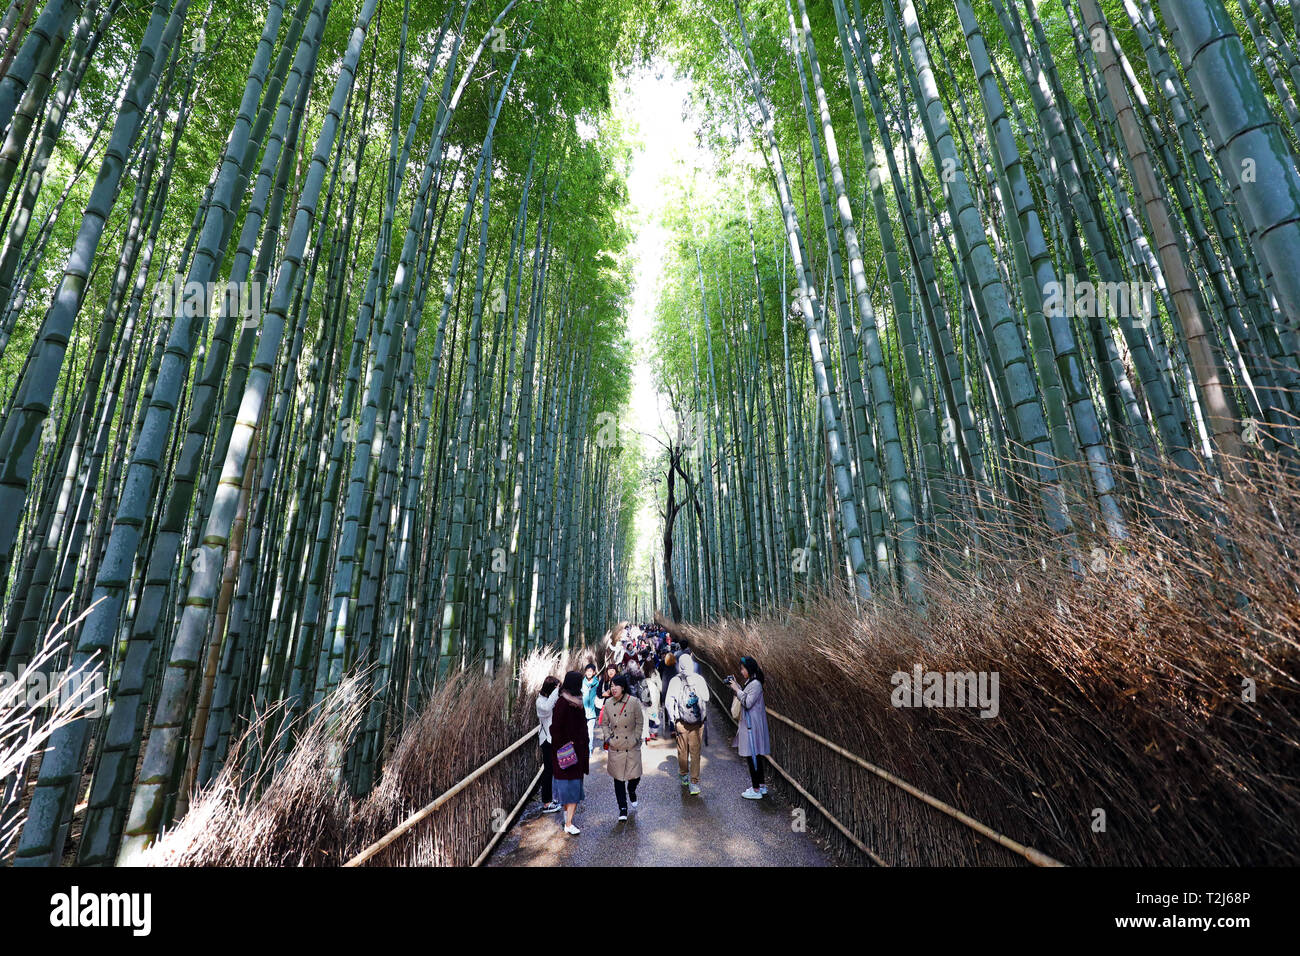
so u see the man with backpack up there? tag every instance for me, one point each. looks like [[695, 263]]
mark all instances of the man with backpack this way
[[687, 701]]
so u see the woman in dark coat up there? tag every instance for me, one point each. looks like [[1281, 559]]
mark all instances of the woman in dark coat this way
[[569, 726]]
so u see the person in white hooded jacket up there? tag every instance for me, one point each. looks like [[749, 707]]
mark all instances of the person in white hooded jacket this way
[[686, 703]]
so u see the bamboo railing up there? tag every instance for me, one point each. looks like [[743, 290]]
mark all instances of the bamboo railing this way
[[442, 799], [1036, 857]]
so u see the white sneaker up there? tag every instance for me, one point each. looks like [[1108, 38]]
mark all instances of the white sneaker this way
[[633, 804], [570, 829], [695, 789], [622, 815], [550, 807], [752, 794], [763, 790]]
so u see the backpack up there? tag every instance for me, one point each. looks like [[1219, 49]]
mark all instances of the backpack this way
[[692, 709]]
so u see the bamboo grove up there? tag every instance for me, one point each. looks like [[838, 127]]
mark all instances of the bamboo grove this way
[[309, 309], [997, 272], [312, 327]]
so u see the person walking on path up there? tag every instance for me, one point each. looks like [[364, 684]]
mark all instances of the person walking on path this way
[[635, 673], [652, 696], [686, 703], [602, 692], [590, 687], [571, 755], [686, 663], [752, 739], [602, 689], [546, 699], [667, 671], [686, 659], [623, 726]]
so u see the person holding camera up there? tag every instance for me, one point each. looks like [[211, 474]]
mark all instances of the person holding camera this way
[[546, 699], [624, 722], [752, 739], [686, 702]]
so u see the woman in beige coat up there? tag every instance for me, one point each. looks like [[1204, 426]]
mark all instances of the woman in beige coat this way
[[623, 718]]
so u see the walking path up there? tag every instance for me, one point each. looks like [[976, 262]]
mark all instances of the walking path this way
[[670, 827]]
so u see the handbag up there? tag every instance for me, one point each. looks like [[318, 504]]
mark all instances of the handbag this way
[[566, 756]]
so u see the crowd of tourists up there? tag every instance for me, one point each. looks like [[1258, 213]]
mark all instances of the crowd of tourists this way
[[645, 687]]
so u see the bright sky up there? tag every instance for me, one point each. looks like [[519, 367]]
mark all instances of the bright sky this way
[[652, 100]]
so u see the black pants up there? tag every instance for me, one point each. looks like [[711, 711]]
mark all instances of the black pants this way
[[623, 790], [546, 771], [756, 765]]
